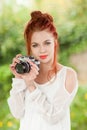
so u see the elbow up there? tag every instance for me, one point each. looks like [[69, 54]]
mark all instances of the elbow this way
[[55, 118], [51, 119], [17, 115], [16, 111]]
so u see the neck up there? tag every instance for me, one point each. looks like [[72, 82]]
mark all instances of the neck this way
[[44, 68], [43, 73]]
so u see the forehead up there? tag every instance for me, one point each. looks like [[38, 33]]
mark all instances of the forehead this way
[[41, 36]]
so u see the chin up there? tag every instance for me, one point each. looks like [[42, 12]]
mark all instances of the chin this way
[[46, 61]]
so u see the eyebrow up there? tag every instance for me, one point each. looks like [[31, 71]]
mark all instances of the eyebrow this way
[[43, 42]]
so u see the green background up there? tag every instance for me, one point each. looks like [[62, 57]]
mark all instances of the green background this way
[[71, 23]]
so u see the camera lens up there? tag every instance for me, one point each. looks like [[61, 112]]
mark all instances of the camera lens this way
[[22, 67]]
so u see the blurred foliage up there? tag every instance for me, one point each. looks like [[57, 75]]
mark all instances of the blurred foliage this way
[[79, 111], [72, 38], [79, 10], [11, 43], [11, 33], [72, 32], [5, 81]]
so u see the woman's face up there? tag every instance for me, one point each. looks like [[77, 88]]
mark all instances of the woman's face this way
[[42, 46]]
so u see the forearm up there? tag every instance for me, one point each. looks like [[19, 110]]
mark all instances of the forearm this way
[[16, 104], [16, 98], [55, 110]]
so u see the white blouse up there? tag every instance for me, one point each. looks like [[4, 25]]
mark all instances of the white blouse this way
[[46, 108]]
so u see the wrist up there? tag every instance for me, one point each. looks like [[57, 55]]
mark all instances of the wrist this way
[[31, 88]]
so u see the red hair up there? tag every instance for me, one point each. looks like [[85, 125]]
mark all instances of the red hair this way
[[41, 21]]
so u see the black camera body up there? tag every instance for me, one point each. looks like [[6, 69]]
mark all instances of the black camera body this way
[[23, 66]]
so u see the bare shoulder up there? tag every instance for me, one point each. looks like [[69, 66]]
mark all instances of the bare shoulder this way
[[71, 79]]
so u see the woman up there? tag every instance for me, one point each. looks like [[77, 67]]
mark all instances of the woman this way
[[41, 98]]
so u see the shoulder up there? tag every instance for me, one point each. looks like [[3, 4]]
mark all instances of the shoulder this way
[[71, 79], [71, 72]]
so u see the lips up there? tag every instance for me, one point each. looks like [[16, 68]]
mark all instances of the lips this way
[[43, 56]]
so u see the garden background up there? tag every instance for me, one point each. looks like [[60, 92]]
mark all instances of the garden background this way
[[70, 17]]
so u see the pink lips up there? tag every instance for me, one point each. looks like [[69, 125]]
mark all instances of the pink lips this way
[[43, 56]]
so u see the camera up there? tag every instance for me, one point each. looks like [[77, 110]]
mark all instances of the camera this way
[[23, 66]]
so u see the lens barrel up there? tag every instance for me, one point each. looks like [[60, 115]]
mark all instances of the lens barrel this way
[[22, 67]]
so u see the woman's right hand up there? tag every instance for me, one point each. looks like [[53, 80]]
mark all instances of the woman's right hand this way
[[28, 77], [12, 66]]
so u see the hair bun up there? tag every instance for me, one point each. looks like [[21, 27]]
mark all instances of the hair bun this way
[[35, 15], [38, 14], [49, 17]]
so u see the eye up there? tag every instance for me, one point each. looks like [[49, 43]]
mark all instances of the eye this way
[[35, 45], [48, 43]]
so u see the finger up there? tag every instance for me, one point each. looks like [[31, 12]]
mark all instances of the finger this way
[[34, 70], [12, 65], [32, 64], [15, 60], [12, 68], [18, 55], [29, 76]]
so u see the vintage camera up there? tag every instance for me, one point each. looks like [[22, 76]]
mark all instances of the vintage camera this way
[[23, 66]]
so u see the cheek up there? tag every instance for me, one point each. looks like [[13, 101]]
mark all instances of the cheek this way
[[34, 52], [51, 49]]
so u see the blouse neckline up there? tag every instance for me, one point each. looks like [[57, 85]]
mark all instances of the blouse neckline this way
[[51, 80]]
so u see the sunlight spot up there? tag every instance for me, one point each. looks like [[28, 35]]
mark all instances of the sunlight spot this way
[[9, 124], [25, 2], [85, 96], [1, 123]]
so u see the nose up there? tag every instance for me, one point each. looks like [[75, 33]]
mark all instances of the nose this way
[[42, 49]]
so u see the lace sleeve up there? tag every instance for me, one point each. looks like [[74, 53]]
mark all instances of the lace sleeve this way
[[55, 110], [16, 99]]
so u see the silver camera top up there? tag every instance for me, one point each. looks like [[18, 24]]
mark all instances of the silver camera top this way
[[31, 58], [23, 58]]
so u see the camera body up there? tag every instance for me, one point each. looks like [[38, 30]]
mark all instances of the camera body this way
[[23, 66]]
